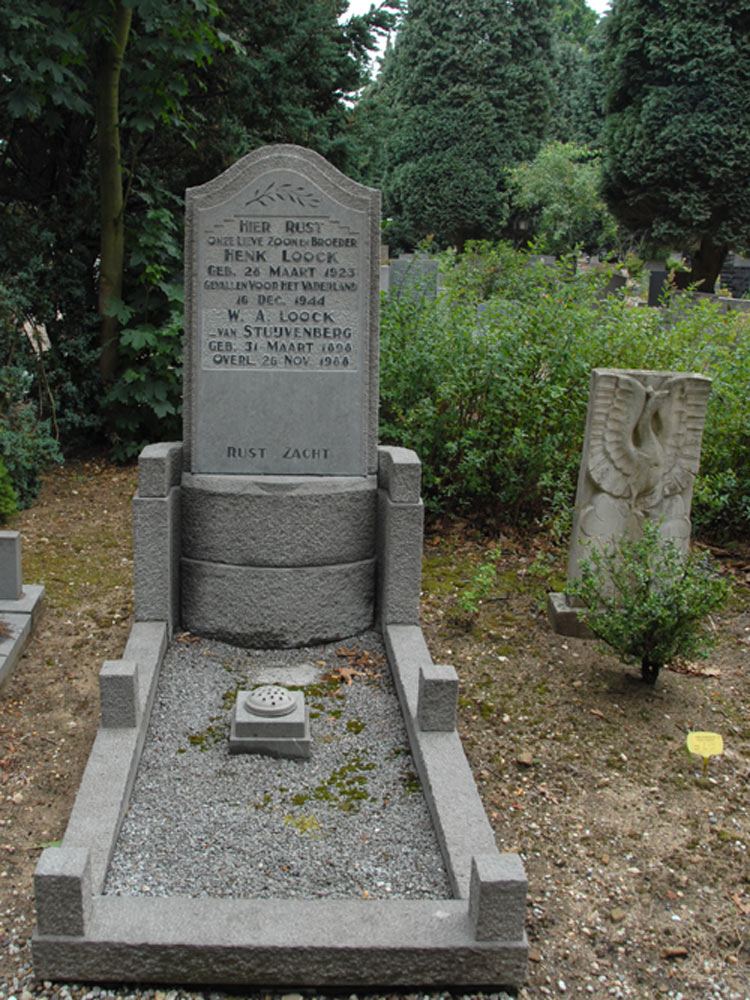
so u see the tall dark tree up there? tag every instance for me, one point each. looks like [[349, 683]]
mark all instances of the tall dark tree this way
[[98, 69], [574, 20], [677, 134], [292, 81], [578, 85], [108, 109], [470, 87]]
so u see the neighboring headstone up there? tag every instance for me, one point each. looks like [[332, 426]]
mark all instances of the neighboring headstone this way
[[414, 275], [735, 275], [281, 281], [657, 279], [617, 283], [19, 605], [640, 458], [11, 586]]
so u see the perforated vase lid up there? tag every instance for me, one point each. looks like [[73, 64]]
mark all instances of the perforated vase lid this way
[[270, 700]]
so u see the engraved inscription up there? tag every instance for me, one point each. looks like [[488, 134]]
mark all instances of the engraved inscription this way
[[281, 319], [281, 293]]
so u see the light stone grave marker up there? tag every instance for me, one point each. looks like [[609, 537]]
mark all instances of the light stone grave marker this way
[[282, 350], [640, 457], [19, 605]]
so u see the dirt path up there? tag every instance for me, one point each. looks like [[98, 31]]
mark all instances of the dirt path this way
[[639, 868]]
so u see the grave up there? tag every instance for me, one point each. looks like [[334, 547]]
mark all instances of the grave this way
[[20, 605], [415, 275], [640, 457], [277, 523]]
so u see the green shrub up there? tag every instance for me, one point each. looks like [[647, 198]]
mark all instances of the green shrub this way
[[647, 601], [559, 193], [495, 404], [8, 497], [144, 404], [28, 443], [27, 448]]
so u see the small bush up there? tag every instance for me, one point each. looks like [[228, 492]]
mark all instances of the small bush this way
[[28, 444], [8, 497], [647, 601], [144, 404], [494, 399], [559, 192], [27, 448]]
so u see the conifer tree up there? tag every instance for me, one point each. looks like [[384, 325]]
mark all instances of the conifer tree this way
[[677, 133], [470, 88]]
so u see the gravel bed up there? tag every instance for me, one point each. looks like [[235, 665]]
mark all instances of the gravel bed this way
[[349, 822]]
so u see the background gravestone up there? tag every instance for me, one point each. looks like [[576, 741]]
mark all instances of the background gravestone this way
[[414, 275], [641, 453]]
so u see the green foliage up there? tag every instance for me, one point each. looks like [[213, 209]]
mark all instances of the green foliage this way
[[8, 496], [495, 403], [677, 146], [288, 80], [574, 19], [470, 92], [27, 448], [647, 601], [183, 118], [27, 443], [481, 583], [578, 103], [144, 404], [560, 190]]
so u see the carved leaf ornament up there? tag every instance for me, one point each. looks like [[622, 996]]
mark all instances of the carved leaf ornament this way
[[284, 192]]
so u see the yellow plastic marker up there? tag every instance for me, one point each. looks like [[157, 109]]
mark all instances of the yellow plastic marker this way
[[705, 745]]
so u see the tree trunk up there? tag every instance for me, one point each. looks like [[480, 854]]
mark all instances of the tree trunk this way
[[112, 241], [707, 264], [649, 670]]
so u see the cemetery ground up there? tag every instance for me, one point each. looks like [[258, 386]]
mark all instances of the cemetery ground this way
[[638, 864]]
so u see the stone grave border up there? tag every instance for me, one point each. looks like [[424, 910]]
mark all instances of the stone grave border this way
[[476, 938]]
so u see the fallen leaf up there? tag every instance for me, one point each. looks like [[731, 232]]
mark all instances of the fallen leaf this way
[[345, 674], [696, 669], [187, 637], [740, 903], [597, 713]]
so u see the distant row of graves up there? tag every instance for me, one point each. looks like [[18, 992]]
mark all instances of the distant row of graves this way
[[421, 274]]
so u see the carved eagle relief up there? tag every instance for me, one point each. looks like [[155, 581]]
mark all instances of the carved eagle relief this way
[[645, 440], [644, 450]]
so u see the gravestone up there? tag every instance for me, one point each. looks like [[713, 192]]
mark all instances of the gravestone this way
[[279, 489], [414, 275], [657, 280], [640, 458], [281, 326], [19, 605]]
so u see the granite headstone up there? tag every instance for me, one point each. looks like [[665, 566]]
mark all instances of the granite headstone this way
[[280, 316]]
